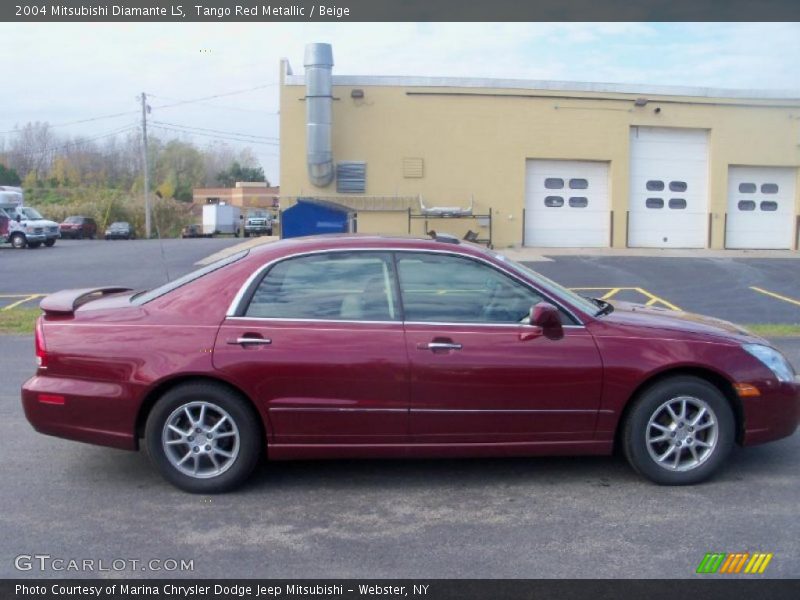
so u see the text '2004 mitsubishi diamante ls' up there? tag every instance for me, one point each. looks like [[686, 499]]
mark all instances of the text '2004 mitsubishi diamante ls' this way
[[367, 346]]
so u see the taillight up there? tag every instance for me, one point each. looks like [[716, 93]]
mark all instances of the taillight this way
[[41, 350]]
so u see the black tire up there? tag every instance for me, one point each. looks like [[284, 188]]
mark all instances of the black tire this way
[[18, 241], [79, 235], [108, 237], [50, 243], [34, 244], [680, 435], [241, 413]]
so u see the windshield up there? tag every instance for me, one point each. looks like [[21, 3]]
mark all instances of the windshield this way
[[73, 219], [144, 297], [549, 285], [31, 213], [119, 224]]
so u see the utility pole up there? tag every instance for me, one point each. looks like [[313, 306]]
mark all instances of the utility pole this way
[[145, 110]]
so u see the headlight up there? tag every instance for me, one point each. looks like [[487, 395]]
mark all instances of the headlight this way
[[774, 360]]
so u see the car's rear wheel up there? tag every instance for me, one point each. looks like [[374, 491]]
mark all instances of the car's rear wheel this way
[[204, 438], [679, 431]]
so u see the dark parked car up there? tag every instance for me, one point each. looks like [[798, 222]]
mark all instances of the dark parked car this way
[[360, 346], [120, 230], [192, 231], [78, 228]]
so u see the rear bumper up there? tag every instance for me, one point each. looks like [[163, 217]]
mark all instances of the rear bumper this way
[[92, 412], [773, 415]]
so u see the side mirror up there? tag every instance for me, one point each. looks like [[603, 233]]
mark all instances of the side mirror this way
[[545, 320], [18, 219]]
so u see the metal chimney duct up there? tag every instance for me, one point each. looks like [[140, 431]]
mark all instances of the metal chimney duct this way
[[319, 100]]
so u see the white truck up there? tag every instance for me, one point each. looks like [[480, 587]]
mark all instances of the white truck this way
[[221, 219], [22, 225], [258, 222]]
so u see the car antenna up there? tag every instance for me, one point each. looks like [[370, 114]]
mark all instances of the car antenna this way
[[160, 241]]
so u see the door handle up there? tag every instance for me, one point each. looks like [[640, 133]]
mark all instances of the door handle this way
[[440, 346], [250, 341]]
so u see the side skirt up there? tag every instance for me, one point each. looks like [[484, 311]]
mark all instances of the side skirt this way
[[323, 451]]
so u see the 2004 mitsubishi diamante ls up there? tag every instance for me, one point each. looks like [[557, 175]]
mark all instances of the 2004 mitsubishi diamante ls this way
[[389, 347]]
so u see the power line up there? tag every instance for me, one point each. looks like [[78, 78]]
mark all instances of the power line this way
[[132, 112], [263, 137], [216, 137], [89, 120], [237, 108], [81, 141], [182, 102]]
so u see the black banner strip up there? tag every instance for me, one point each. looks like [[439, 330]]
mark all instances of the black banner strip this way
[[707, 588], [398, 10]]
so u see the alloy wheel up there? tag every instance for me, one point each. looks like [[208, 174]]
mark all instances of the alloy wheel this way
[[682, 433], [200, 439]]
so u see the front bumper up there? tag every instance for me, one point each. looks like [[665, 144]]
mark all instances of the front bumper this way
[[35, 237], [773, 415]]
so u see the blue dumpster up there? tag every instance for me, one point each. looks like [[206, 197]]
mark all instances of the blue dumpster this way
[[310, 216]]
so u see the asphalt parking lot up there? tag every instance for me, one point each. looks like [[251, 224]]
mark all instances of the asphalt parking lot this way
[[720, 287], [547, 517], [742, 290], [519, 518]]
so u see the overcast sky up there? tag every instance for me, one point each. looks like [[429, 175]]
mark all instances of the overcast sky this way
[[67, 72]]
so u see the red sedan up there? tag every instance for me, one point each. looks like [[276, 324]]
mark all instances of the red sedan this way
[[391, 347]]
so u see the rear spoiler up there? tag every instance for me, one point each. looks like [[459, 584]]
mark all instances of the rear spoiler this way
[[66, 301]]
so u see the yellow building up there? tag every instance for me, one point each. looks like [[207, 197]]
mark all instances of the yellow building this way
[[553, 163]]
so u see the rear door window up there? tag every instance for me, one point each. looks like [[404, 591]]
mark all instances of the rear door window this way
[[349, 286]]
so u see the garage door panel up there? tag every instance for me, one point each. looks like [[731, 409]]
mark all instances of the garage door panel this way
[[760, 213], [668, 188], [566, 203]]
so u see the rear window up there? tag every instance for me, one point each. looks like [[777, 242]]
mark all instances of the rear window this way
[[149, 296]]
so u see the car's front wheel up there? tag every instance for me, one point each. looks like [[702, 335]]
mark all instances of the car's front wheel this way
[[204, 438], [679, 431], [50, 243]]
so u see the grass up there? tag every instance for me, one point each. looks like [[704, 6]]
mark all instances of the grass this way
[[20, 320], [775, 329]]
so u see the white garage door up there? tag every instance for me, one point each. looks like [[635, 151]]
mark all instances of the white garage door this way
[[760, 207], [566, 203], [669, 188]]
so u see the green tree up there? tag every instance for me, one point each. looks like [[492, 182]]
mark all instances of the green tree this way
[[9, 176], [181, 166], [236, 172]]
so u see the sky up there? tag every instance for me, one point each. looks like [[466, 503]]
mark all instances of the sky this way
[[61, 73]]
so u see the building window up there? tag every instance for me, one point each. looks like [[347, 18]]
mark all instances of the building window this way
[[677, 186], [747, 188], [554, 183], [579, 202], [554, 201], [655, 186], [769, 206], [746, 205], [578, 184], [654, 203], [769, 188], [677, 203], [351, 177]]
